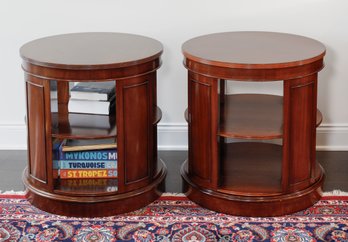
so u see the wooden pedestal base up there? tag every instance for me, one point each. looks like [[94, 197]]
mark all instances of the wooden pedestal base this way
[[96, 206], [274, 205]]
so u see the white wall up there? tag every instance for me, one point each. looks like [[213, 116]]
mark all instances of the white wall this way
[[173, 22]]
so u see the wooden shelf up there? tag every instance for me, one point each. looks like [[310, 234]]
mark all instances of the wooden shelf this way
[[88, 126], [252, 122], [253, 116], [83, 126], [251, 169]]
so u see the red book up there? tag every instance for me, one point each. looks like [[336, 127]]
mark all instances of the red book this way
[[87, 173]]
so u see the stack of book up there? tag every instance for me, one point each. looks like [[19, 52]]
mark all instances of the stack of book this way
[[76, 162], [93, 98]]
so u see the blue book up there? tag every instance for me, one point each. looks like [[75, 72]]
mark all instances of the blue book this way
[[83, 164], [55, 153], [89, 155]]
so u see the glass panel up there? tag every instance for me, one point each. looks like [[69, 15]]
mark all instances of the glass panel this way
[[54, 96], [84, 144], [85, 166]]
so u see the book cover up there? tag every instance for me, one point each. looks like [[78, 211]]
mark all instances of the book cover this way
[[97, 155], [91, 106], [99, 91], [92, 173], [83, 164], [88, 144]]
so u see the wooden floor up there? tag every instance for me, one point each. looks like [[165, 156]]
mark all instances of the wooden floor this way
[[335, 165]]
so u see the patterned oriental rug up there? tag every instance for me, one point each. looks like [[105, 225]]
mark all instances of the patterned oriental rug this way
[[174, 218]]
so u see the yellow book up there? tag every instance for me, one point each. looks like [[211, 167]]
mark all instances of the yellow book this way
[[88, 144]]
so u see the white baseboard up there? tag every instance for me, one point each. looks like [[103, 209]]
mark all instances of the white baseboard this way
[[174, 137], [332, 137]]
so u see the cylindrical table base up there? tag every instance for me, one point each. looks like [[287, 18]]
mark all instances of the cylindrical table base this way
[[252, 205], [96, 206]]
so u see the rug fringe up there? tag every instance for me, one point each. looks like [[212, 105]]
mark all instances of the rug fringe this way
[[336, 193], [12, 192]]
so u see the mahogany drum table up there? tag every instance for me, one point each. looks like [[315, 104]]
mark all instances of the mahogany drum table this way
[[253, 154], [131, 62]]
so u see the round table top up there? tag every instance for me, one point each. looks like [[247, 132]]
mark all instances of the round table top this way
[[252, 49], [91, 50]]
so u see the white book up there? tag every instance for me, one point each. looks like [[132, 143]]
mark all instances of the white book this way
[[91, 106], [54, 105], [54, 94]]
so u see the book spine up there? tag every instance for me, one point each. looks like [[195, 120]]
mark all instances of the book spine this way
[[89, 182], [55, 158], [79, 164], [92, 173], [96, 155], [100, 184]]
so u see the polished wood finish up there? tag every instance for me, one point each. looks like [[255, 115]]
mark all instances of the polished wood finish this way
[[83, 126], [319, 117], [37, 134], [251, 169], [246, 116], [88, 51], [253, 50], [131, 61], [241, 205], [253, 178]]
